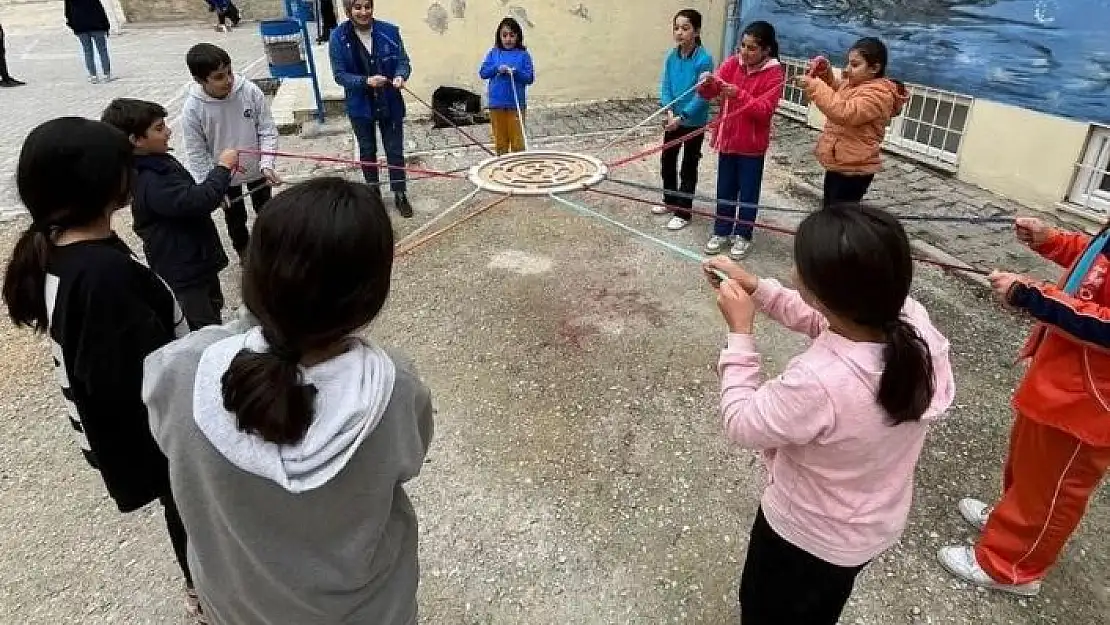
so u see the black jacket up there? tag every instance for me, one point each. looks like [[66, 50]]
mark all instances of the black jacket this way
[[86, 16], [173, 217]]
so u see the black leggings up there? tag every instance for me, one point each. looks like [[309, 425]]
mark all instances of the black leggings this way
[[845, 188], [177, 536], [3, 57], [236, 212], [783, 584]]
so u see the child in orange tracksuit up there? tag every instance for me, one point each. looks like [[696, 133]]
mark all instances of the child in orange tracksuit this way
[[1060, 443]]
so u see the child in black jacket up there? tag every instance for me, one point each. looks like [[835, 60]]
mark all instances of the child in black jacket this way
[[173, 213]]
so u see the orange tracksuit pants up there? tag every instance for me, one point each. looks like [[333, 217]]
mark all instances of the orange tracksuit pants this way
[[507, 134], [1048, 479]]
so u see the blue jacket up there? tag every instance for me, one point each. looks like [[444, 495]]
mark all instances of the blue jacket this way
[[501, 85], [679, 75], [352, 65]]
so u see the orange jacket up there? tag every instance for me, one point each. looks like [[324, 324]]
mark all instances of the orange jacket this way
[[1067, 385], [856, 118]]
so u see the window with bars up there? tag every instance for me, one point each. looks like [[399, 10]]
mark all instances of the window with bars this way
[[1091, 189], [794, 101], [931, 125]]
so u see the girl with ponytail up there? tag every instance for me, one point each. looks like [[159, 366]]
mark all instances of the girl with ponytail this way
[[289, 442], [72, 278], [843, 425]]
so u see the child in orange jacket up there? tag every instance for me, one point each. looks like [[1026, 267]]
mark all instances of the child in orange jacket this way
[[858, 107], [1060, 443]]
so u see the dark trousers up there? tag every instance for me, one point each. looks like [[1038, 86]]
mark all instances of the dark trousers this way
[[178, 538], [393, 141], [684, 180], [739, 179], [236, 212], [845, 188], [232, 13], [327, 18], [202, 303], [783, 584], [4, 75]]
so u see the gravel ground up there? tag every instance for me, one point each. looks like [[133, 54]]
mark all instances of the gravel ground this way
[[578, 473]]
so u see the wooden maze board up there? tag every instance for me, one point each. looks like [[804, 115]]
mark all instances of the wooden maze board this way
[[538, 173]]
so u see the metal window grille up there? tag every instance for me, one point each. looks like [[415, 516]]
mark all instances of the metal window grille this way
[[1091, 187], [931, 126], [794, 102]]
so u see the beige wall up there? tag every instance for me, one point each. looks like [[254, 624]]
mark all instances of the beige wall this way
[[168, 10], [615, 52], [1021, 154]]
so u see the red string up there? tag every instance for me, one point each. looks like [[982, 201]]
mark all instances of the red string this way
[[448, 120], [431, 173], [779, 229]]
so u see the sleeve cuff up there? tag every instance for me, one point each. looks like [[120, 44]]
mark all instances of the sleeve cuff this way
[[740, 343]]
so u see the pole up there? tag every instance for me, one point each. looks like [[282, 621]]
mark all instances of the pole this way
[[312, 73]]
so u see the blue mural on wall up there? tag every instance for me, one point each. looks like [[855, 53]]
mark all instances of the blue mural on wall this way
[[1048, 55]]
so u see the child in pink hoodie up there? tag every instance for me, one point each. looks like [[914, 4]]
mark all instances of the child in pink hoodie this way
[[842, 426]]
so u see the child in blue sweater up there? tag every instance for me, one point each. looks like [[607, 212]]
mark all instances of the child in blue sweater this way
[[686, 114], [507, 65]]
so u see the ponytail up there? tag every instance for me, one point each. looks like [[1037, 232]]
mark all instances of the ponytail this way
[[267, 394], [906, 387], [25, 280]]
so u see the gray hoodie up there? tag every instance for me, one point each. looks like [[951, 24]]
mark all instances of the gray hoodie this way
[[241, 120], [320, 532]]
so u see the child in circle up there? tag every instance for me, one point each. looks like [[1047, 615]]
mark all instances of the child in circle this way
[[289, 442], [71, 277], [509, 70], [684, 64], [841, 428], [858, 108], [749, 85]]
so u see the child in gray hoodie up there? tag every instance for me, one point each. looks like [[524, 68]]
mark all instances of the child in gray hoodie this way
[[222, 113], [289, 442]]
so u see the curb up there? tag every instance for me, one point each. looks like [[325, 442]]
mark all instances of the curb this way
[[801, 187]]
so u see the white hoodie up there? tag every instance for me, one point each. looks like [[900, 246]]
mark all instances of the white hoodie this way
[[241, 120]]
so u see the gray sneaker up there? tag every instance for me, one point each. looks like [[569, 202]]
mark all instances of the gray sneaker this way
[[974, 512], [715, 244], [961, 562], [740, 249]]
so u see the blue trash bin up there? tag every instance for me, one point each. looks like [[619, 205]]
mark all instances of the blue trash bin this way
[[283, 41]]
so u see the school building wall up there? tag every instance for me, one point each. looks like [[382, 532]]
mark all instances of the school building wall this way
[[171, 10]]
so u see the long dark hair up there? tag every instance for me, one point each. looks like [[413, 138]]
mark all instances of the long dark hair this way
[[764, 33], [317, 268], [514, 26], [694, 17], [873, 51], [72, 171], [856, 260]]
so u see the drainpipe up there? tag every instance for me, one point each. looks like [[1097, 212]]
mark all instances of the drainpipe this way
[[732, 27]]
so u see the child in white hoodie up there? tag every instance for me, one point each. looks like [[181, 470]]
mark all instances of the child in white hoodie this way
[[289, 443], [221, 113]]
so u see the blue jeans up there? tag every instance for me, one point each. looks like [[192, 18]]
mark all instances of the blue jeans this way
[[739, 179], [393, 140], [101, 41]]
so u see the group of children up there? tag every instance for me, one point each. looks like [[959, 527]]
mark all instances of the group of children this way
[[279, 443]]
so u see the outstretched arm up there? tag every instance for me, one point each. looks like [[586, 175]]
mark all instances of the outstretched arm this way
[[1084, 321], [857, 110], [787, 307], [1063, 248]]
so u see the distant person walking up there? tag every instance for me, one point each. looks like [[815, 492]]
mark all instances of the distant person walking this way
[[87, 20], [6, 79]]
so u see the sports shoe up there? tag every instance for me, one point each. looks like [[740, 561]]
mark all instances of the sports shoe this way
[[660, 210], [715, 244], [974, 512], [94, 79], [192, 608], [108, 78], [677, 223], [740, 249], [401, 201], [11, 82], [961, 562]]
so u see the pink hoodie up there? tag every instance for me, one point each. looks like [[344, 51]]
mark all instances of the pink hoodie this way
[[841, 477]]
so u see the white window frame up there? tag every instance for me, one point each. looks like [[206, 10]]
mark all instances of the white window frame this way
[[788, 107], [922, 151], [1085, 192]]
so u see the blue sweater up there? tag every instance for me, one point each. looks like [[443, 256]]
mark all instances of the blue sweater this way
[[680, 74], [500, 85], [352, 65]]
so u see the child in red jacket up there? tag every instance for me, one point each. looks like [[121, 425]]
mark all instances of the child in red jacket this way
[[1060, 443], [749, 85]]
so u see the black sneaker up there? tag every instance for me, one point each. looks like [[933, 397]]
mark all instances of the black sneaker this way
[[11, 82], [402, 202]]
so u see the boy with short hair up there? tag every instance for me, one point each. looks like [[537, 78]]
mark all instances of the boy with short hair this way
[[173, 213], [222, 113]]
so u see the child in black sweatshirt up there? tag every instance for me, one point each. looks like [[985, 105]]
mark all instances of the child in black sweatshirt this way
[[173, 213]]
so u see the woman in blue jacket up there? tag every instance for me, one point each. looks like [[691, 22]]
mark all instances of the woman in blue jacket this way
[[369, 61], [681, 69], [508, 68]]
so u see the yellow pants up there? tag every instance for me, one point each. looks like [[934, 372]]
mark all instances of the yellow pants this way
[[507, 134]]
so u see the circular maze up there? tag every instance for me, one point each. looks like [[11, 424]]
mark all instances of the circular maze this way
[[538, 172]]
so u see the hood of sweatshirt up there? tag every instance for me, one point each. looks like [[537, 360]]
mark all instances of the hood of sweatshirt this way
[[893, 89], [353, 391]]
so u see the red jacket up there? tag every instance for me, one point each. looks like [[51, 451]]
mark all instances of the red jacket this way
[[746, 125], [1067, 385]]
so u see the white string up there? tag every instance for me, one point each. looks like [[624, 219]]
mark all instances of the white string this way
[[647, 119], [519, 112], [449, 210]]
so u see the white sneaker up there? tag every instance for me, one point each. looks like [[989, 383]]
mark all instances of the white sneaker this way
[[94, 79], [660, 210], [715, 244], [974, 512], [740, 249], [961, 562], [677, 223]]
